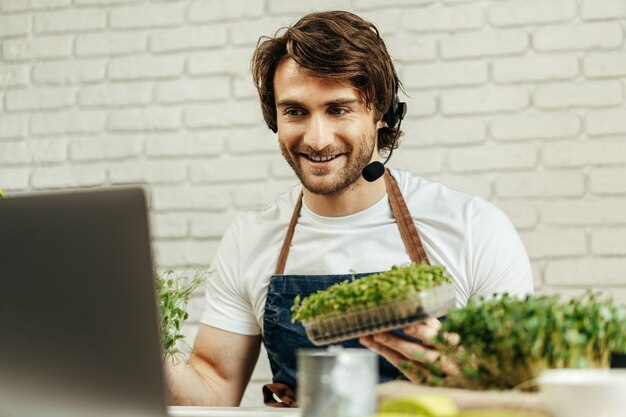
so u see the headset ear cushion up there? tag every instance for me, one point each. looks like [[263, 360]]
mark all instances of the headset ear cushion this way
[[393, 112], [401, 110], [390, 116]]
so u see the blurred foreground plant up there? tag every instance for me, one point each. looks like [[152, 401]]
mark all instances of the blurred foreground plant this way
[[506, 342], [174, 291]]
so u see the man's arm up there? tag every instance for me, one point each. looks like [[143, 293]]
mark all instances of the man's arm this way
[[217, 371]]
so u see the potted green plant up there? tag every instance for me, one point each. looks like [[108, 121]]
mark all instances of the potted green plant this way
[[507, 341], [174, 293]]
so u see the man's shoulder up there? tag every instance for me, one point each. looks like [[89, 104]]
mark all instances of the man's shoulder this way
[[427, 197], [414, 187], [254, 233], [278, 211]]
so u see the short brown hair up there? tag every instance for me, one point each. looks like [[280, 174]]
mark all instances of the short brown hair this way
[[333, 45]]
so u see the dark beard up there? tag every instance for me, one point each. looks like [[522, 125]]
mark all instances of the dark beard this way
[[345, 178]]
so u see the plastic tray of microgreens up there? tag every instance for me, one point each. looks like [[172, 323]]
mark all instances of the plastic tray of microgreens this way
[[375, 303]]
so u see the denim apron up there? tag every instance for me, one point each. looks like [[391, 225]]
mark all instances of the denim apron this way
[[282, 338]]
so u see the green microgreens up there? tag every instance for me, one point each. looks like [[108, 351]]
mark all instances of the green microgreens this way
[[174, 291], [507, 342], [369, 291]]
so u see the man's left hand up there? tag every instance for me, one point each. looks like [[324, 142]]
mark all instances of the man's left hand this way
[[401, 352]]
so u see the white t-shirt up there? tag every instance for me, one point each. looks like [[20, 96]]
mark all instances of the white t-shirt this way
[[470, 237]]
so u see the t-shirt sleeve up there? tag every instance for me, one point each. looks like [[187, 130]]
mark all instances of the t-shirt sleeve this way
[[226, 307], [498, 259]]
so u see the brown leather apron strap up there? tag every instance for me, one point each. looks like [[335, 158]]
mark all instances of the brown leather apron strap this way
[[408, 231], [284, 251]]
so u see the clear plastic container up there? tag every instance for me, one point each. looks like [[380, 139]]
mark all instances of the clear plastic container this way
[[337, 327]]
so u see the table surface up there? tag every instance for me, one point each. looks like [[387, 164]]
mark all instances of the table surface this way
[[232, 412]]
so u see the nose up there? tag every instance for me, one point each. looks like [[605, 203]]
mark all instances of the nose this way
[[319, 133]]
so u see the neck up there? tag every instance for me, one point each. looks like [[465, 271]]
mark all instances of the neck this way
[[358, 197]]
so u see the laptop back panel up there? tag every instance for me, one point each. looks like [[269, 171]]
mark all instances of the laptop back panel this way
[[78, 320]]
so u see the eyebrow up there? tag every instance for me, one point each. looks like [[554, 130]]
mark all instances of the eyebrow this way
[[330, 103]]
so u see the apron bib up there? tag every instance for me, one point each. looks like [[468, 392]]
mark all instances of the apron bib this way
[[282, 338]]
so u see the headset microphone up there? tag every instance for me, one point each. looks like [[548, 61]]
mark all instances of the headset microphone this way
[[373, 171], [394, 114]]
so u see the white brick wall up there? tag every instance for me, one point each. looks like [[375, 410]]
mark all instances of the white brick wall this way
[[69, 72], [40, 98], [149, 16], [579, 36], [582, 94], [528, 12], [449, 74], [35, 47], [536, 68], [69, 21], [443, 19], [110, 43], [188, 38], [535, 126], [522, 102]]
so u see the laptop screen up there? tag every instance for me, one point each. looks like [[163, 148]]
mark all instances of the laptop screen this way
[[78, 319]]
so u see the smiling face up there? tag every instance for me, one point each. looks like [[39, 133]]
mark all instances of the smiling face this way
[[326, 132]]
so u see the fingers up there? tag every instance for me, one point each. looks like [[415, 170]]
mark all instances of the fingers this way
[[391, 355], [449, 367], [407, 348], [425, 330], [395, 358], [396, 349], [453, 338], [432, 322], [413, 358], [421, 331]]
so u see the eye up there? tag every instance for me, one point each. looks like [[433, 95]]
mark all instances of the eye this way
[[338, 111], [292, 112]]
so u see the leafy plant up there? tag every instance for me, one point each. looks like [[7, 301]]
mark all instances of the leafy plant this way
[[507, 342], [174, 294], [369, 291]]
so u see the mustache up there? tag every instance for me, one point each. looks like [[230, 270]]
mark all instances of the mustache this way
[[325, 151]]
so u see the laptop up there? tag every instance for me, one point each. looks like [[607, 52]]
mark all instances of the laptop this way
[[79, 333], [78, 325]]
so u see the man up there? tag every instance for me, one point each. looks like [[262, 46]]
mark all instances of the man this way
[[328, 89]]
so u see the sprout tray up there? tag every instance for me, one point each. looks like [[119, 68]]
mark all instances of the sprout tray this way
[[395, 314]]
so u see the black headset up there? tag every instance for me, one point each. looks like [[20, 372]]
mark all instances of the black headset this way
[[396, 111], [393, 115]]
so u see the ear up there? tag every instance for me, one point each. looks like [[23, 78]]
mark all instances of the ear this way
[[380, 124]]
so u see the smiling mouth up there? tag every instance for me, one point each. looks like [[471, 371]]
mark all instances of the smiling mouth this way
[[324, 158]]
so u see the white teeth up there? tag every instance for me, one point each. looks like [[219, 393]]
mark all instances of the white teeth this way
[[321, 158]]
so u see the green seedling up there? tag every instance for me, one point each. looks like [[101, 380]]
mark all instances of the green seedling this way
[[372, 290], [506, 341], [175, 291]]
